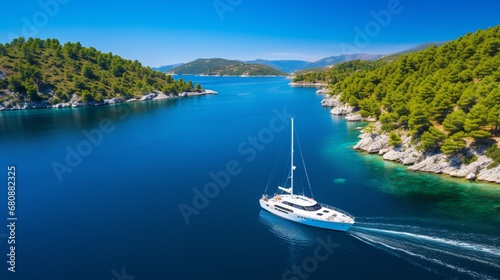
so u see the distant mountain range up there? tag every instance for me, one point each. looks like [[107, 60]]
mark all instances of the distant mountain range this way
[[228, 67], [223, 67], [420, 47], [166, 68], [290, 66], [332, 60]]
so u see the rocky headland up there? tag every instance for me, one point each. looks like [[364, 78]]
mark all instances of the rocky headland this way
[[307, 84], [341, 108], [374, 141], [77, 102]]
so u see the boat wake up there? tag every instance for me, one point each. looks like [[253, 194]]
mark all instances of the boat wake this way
[[448, 253]]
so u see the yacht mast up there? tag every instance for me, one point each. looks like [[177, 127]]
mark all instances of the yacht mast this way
[[291, 161]]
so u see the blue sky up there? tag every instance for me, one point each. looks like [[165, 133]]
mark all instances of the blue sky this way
[[166, 32]]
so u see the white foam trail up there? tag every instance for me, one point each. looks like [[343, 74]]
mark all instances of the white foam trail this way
[[461, 244], [474, 259], [364, 237], [372, 241], [429, 244], [393, 250]]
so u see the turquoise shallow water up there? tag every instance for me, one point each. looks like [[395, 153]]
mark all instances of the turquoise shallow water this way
[[114, 209]]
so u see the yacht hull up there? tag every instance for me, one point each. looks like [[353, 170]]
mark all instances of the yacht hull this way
[[337, 226]]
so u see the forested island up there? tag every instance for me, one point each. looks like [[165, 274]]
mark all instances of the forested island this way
[[224, 67], [36, 73], [438, 109]]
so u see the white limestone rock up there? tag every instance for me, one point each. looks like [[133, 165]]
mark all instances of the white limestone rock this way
[[331, 101], [114, 100], [470, 176], [489, 175], [354, 118], [323, 90], [372, 143], [411, 156], [393, 155], [150, 96], [432, 164]]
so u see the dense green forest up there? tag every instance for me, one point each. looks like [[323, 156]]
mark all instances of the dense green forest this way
[[442, 96], [337, 73], [220, 67], [36, 70]]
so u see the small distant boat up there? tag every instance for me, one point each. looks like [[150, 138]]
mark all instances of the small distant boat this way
[[305, 210]]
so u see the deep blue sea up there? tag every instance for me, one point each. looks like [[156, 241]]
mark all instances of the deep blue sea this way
[[99, 194]]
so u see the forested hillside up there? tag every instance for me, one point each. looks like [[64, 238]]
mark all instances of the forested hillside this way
[[337, 73], [224, 67], [37, 70], [443, 96]]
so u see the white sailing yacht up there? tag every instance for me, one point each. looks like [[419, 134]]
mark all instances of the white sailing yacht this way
[[305, 210]]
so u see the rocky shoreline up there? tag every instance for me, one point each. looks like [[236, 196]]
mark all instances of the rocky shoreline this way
[[241, 76], [341, 108], [76, 102], [407, 153], [304, 84]]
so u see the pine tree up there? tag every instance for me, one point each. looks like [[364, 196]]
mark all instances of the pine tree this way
[[494, 117], [87, 72], [468, 99], [418, 121], [454, 122], [3, 50], [442, 106], [388, 121], [454, 144], [476, 120], [394, 139], [432, 139]]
